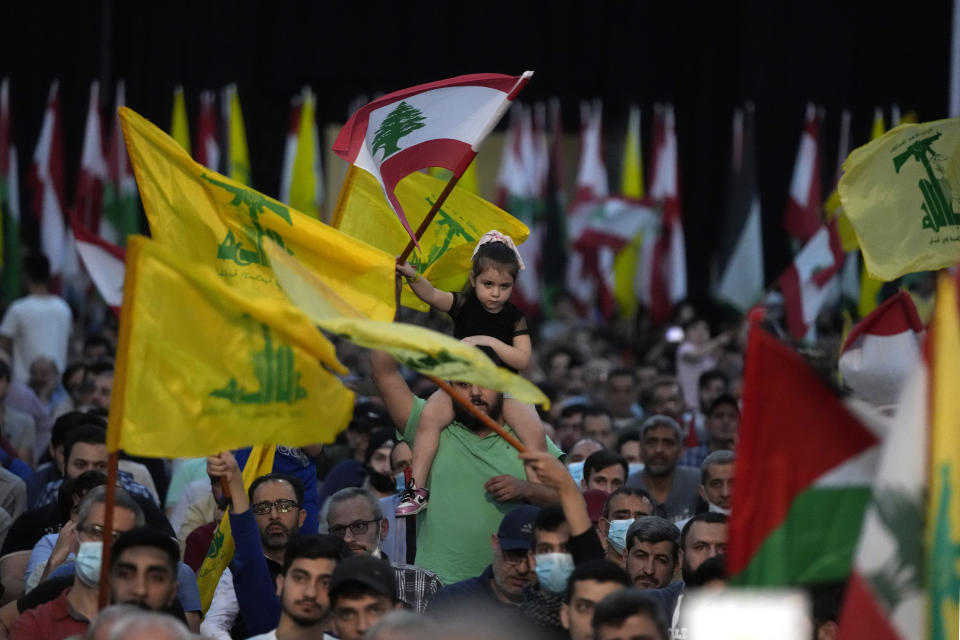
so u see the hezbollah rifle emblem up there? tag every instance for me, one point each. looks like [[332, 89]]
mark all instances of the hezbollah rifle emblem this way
[[937, 196]]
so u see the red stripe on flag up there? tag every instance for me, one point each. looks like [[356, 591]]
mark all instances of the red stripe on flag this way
[[793, 430], [83, 235], [862, 616], [894, 316], [351, 137]]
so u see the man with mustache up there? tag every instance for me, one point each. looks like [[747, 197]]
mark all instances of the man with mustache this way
[[454, 532], [263, 522], [672, 488]]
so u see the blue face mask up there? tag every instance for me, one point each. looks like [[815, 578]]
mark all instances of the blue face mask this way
[[401, 481], [576, 470], [635, 467], [553, 570], [617, 535], [87, 563]]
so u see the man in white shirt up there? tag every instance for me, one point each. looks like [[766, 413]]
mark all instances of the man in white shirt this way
[[37, 324]]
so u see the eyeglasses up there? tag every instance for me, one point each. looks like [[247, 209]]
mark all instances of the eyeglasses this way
[[514, 556], [282, 505], [96, 531], [357, 528]]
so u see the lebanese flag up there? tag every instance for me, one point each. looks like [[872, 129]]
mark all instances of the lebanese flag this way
[[882, 350], [438, 124], [46, 184], [600, 231], [104, 263], [121, 215], [519, 192], [207, 149], [802, 217], [93, 166], [886, 597], [806, 282], [662, 281], [804, 467], [592, 180]]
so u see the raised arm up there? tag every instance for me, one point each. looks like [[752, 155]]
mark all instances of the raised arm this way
[[440, 300], [393, 389]]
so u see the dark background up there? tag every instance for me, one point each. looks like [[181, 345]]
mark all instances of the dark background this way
[[706, 57]]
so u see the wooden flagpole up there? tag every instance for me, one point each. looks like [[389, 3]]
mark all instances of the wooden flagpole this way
[[103, 595], [430, 216], [484, 418]]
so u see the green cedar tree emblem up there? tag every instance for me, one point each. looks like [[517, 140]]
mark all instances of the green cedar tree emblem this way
[[451, 229], [936, 192], [233, 248], [901, 514], [402, 121], [274, 368], [216, 544], [944, 580]]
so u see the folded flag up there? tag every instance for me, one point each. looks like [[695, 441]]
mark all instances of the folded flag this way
[[882, 350], [438, 124], [446, 247], [46, 184], [213, 220], [815, 463], [418, 348], [179, 128], [900, 192], [202, 367], [802, 217]]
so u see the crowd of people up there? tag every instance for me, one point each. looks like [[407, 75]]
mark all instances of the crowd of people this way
[[615, 512]]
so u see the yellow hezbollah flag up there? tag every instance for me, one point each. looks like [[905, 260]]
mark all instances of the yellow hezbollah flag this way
[[306, 184], [901, 192], [216, 221], [943, 509], [631, 186], [467, 182], [421, 349], [449, 241], [260, 463], [238, 160], [179, 128], [869, 286], [203, 367]]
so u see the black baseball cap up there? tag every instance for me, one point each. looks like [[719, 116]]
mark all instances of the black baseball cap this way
[[374, 573], [516, 527]]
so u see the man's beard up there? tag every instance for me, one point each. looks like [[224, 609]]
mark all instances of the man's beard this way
[[658, 470], [301, 621], [381, 482], [471, 422], [276, 540], [688, 574]]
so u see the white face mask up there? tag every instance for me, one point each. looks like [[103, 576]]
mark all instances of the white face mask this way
[[88, 561], [617, 535], [553, 570]]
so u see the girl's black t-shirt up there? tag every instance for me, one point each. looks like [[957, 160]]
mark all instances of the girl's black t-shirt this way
[[471, 319]]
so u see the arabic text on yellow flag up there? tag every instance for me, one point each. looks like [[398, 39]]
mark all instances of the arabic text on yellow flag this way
[[448, 243], [238, 159], [421, 349], [179, 128], [202, 367], [943, 510], [901, 192], [306, 184], [221, 549], [216, 221]]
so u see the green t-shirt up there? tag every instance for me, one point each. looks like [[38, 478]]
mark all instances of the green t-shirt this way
[[453, 532]]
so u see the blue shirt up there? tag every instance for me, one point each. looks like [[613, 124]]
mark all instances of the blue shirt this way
[[254, 586], [296, 462]]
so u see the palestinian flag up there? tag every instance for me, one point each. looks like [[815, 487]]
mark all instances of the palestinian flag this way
[[804, 467], [905, 580]]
